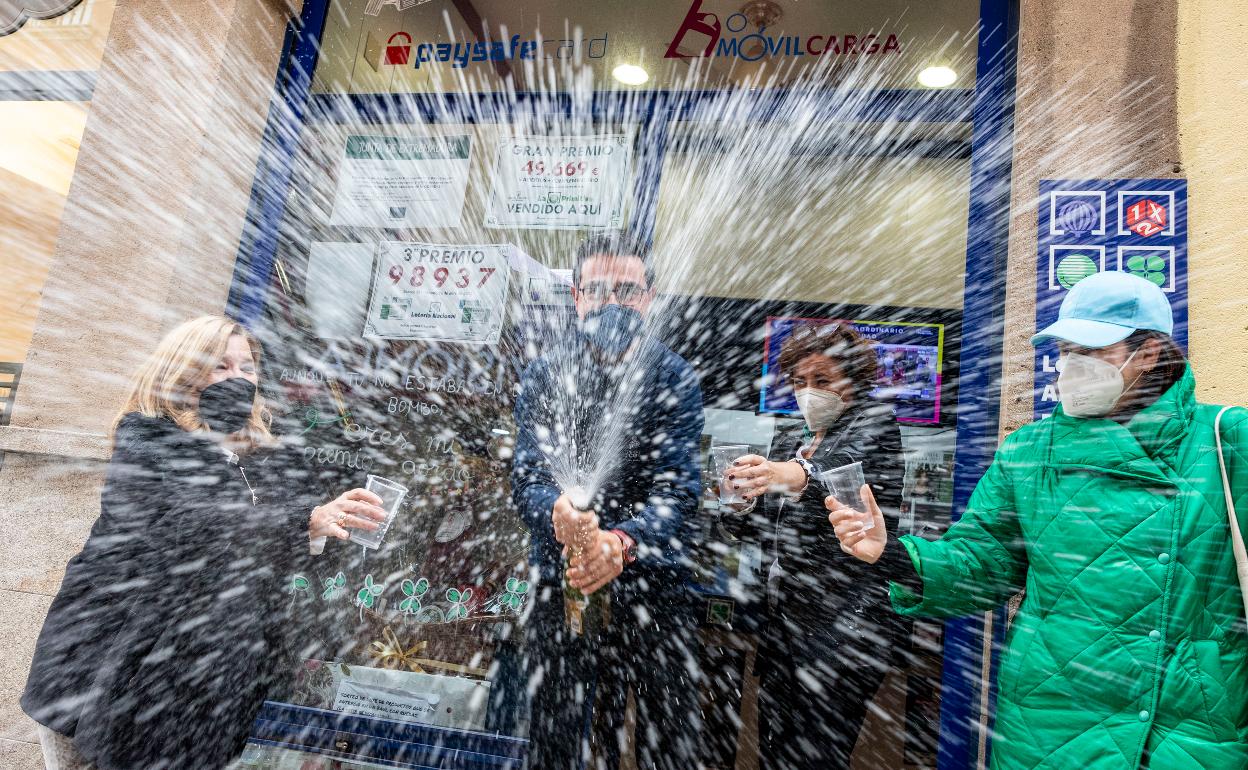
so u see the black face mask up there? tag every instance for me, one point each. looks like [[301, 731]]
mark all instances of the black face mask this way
[[226, 405]]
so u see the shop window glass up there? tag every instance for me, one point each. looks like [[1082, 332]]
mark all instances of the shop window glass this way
[[860, 221], [874, 237]]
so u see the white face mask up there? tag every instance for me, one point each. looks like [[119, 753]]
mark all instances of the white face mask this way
[[1090, 387], [821, 408]]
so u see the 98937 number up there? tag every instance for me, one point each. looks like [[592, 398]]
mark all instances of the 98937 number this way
[[419, 274]]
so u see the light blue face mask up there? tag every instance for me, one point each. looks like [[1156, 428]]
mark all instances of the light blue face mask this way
[[612, 328]]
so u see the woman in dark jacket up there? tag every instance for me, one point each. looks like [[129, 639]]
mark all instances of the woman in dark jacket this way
[[168, 631], [827, 621]]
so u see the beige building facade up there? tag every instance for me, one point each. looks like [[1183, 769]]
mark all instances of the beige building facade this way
[[134, 221]]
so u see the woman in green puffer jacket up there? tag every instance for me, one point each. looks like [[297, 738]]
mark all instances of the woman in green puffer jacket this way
[[1130, 649]]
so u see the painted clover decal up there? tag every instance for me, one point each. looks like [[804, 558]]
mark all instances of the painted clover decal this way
[[334, 586], [369, 593], [413, 591], [459, 602], [1150, 268], [513, 597]]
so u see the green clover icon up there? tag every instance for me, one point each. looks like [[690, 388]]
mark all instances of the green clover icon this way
[[459, 602], [1150, 268], [334, 586], [513, 598], [369, 593], [413, 592]]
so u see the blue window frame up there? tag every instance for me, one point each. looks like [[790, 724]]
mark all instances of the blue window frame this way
[[971, 645]]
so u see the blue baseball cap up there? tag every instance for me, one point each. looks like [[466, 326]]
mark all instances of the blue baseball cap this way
[[1108, 307]]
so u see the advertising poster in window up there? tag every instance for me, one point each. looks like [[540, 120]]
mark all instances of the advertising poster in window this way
[[560, 184], [393, 181], [438, 292], [910, 358]]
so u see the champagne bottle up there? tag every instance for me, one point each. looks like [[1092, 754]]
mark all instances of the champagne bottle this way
[[586, 616]]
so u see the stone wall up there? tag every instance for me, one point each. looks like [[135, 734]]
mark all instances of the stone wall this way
[[1096, 99], [148, 238]]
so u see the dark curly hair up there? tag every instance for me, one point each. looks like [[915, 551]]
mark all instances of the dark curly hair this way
[[1169, 369], [612, 244], [852, 352]]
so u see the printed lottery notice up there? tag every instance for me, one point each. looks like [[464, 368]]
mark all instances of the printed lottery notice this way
[[560, 184], [398, 182], [441, 292]]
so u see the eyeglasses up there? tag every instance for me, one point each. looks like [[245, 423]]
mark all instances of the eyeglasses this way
[[624, 291]]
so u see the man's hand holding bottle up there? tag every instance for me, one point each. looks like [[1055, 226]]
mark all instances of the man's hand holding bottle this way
[[595, 557]]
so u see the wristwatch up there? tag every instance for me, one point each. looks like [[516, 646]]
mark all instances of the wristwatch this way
[[807, 468], [628, 543]]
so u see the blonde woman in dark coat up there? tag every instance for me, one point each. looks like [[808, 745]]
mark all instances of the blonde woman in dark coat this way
[[167, 633]]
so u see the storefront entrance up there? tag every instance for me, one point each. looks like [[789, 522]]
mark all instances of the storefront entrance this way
[[438, 163]]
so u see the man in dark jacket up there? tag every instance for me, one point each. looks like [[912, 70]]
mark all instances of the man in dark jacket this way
[[606, 468]]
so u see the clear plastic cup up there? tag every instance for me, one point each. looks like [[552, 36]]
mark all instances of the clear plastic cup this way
[[391, 494], [723, 456], [845, 484]]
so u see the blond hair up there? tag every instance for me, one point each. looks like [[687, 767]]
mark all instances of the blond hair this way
[[168, 382]]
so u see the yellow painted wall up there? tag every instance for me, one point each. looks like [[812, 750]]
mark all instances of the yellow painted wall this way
[[38, 150], [1213, 111]]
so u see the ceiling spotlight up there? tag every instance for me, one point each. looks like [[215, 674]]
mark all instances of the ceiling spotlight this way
[[937, 77], [630, 74]]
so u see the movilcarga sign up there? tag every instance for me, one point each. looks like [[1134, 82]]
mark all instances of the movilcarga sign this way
[[730, 38]]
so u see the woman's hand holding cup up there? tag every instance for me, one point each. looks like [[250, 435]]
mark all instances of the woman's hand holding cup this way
[[857, 540], [356, 509], [749, 476], [752, 476]]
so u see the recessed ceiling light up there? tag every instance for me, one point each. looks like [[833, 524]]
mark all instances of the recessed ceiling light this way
[[937, 77], [630, 74]]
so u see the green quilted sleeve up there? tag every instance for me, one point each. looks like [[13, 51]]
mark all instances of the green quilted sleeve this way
[[978, 564]]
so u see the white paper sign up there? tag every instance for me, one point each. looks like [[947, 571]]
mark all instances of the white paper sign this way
[[554, 288], [378, 701], [336, 287], [441, 292], [394, 181], [560, 184]]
